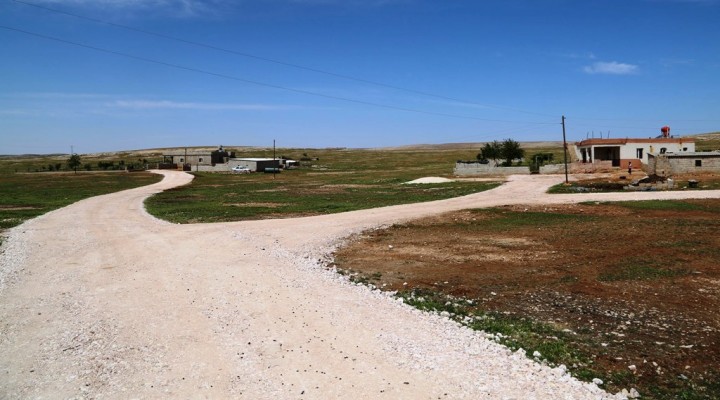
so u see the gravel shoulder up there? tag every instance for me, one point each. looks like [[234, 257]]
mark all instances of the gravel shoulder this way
[[101, 300]]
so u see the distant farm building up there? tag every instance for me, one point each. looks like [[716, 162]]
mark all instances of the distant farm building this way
[[195, 158], [255, 164], [288, 163]]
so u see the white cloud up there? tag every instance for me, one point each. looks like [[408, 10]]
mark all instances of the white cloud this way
[[612, 68], [55, 95], [350, 3], [166, 104], [180, 8]]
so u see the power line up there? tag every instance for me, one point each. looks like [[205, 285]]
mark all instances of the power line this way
[[274, 61], [655, 120], [616, 126], [258, 83], [645, 120]]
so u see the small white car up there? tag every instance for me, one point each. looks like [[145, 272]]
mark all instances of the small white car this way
[[241, 169]]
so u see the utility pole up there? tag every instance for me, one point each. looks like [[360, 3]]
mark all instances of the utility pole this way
[[565, 150], [274, 168]]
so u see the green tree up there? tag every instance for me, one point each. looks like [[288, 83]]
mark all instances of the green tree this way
[[74, 162], [510, 150], [491, 151]]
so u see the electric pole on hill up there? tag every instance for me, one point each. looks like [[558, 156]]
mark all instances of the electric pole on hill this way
[[565, 149]]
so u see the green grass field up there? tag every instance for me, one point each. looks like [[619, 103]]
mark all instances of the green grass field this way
[[215, 197], [333, 181]]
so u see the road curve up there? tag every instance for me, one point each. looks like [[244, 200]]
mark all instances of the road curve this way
[[101, 300]]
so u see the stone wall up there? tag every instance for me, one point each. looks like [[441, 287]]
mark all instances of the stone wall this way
[[577, 168], [659, 165], [211, 168], [664, 164], [467, 169]]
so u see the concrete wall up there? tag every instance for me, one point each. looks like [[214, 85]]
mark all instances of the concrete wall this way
[[577, 168], [210, 168], [193, 159], [668, 164], [467, 169]]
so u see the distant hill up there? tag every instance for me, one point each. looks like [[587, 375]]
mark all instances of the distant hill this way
[[471, 145], [706, 136], [705, 139]]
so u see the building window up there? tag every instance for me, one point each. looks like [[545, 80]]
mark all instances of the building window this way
[[200, 160], [684, 148], [663, 150], [182, 160], [698, 163], [639, 153]]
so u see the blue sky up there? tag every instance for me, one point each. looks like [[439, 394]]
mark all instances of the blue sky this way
[[351, 73]]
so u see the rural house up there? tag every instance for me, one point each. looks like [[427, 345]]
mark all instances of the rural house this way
[[620, 152]]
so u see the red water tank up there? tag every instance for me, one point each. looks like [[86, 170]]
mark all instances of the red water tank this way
[[665, 131]]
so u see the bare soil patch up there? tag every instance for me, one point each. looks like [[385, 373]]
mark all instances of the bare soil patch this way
[[248, 205], [638, 288], [17, 208]]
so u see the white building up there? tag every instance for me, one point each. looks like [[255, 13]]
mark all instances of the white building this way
[[623, 151]]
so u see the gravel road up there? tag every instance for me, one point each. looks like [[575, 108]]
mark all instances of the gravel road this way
[[101, 300]]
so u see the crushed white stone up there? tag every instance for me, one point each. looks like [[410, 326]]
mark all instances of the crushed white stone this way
[[429, 179]]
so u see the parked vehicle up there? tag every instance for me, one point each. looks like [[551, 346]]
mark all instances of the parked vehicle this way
[[241, 169]]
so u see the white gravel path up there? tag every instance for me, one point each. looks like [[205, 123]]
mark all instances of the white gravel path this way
[[100, 300]]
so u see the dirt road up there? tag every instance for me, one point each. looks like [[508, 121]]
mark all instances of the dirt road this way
[[101, 300]]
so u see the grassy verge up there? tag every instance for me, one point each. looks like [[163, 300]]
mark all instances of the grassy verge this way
[[656, 205], [26, 196], [226, 197], [706, 182], [541, 341]]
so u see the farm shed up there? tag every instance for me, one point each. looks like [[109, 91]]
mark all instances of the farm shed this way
[[620, 152], [682, 163], [255, 164], [195, 157]]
